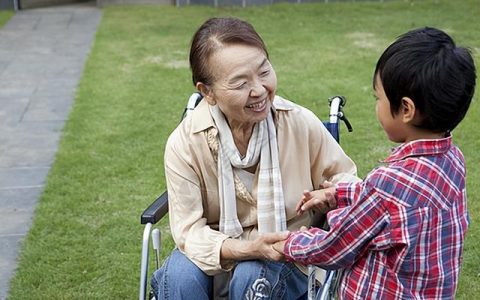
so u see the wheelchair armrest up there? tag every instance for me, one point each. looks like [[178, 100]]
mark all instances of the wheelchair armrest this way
[[156, 210]]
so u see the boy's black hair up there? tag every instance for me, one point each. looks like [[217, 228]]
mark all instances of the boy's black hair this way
[[425, 65]]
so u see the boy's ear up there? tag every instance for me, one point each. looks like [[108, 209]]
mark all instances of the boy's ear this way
[[206, 92], [408, 110]]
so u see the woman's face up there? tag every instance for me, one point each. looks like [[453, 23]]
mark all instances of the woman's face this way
[[244, 84]]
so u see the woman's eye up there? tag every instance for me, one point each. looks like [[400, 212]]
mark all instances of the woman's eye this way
[[240, 85], [265, 73]]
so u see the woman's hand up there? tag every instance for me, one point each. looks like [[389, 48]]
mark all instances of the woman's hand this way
[[259, 248], [278, 246], [323, 200], [270, 245]]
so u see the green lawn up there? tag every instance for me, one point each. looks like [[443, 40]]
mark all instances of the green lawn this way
[[5, 15], [86, 238]]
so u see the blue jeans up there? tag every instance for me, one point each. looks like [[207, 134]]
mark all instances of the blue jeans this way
[[179, 278]]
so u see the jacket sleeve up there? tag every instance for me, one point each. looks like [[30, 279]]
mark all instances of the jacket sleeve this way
[[327, 159], [200, 243]]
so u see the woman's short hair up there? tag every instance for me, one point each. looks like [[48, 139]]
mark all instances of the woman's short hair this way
[[214, 34], [425, 65]]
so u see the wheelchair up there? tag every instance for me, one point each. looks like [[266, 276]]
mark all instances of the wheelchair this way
[[159, 208]]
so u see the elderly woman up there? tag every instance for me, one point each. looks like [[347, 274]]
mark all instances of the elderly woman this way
[[236, 168]]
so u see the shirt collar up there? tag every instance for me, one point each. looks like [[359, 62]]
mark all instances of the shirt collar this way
[[202, 120], [420, 148]]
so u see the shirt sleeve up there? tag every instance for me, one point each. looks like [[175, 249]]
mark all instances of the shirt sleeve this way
[[188, 225], [352, 230], [347, 193]]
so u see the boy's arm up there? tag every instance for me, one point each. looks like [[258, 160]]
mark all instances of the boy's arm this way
[[348, 193], [349, 236]]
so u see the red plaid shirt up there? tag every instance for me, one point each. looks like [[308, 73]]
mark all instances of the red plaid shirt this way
[[399, 234]]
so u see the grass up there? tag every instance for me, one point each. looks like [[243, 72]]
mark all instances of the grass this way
[[5, 15], [85, 239]]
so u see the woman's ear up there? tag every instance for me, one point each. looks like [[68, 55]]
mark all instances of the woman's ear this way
[[206, 92], [408, 110]]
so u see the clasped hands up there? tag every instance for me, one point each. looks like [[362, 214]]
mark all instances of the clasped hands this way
[[322, 200]]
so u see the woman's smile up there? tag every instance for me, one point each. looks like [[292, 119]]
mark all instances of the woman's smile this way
[[259, 106]]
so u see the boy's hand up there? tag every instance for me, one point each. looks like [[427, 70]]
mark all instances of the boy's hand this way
[[324, 200], [280, 245]]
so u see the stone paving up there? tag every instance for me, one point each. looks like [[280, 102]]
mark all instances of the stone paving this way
[[42, 54]]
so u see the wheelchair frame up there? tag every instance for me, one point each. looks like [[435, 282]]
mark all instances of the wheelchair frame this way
[[159, 208]]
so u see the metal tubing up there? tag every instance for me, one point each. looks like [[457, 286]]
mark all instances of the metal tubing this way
[[311, 293], [144, 265], [334, 108], [326, 287]]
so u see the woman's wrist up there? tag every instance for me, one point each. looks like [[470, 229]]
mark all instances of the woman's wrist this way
[[233, 249]]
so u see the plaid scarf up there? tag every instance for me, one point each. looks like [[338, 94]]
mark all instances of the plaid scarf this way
[[262, 146]]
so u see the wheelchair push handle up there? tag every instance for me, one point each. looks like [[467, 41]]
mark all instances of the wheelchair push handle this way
[[193, 101], [336, 111]]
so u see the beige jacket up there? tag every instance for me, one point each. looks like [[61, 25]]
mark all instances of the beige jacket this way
[[308, 156]]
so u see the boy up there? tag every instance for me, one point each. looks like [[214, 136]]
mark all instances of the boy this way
[[399, 234]]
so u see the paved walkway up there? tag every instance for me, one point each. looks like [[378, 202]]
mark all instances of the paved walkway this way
[[42, 53]]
